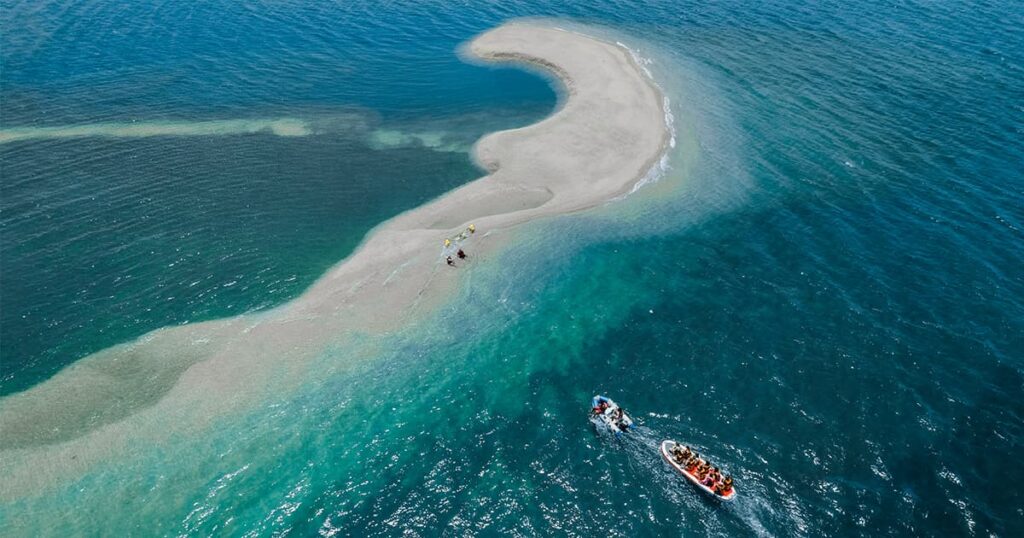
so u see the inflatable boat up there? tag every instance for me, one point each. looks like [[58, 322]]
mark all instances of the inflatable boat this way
[[666, 452], [608, 415]]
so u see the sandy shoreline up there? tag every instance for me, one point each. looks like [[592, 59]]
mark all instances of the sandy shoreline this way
[[608, 134]]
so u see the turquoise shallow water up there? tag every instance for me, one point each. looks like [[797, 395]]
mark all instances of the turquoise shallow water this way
[[823, 293]]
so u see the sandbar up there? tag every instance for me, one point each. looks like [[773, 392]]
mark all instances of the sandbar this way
[[608, 132]]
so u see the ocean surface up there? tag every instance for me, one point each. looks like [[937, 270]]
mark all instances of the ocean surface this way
[[824, 292]]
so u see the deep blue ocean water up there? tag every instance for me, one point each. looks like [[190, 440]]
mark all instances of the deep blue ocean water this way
[[826, 296]]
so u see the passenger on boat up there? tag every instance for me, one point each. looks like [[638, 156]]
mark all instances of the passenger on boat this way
[[727, 486], [682, 454]]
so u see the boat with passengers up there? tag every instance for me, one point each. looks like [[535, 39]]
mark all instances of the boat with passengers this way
[[609, 416], [698, 470]]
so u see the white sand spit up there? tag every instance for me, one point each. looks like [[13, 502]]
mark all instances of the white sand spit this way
[[609, 132]]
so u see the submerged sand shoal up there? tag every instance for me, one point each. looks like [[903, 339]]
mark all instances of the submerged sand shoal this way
[[608, 133]]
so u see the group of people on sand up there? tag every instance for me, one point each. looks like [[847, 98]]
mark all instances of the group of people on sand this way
[[705, 473], [460, 254]]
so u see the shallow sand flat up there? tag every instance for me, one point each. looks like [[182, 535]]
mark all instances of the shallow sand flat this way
[[609, 132]]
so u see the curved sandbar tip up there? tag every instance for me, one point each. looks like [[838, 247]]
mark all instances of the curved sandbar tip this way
[[608, 134], [610, 131]]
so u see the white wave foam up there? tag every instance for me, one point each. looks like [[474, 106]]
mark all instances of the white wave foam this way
[[660, 168]]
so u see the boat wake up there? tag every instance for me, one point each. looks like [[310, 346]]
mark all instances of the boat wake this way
[[751, 508]]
